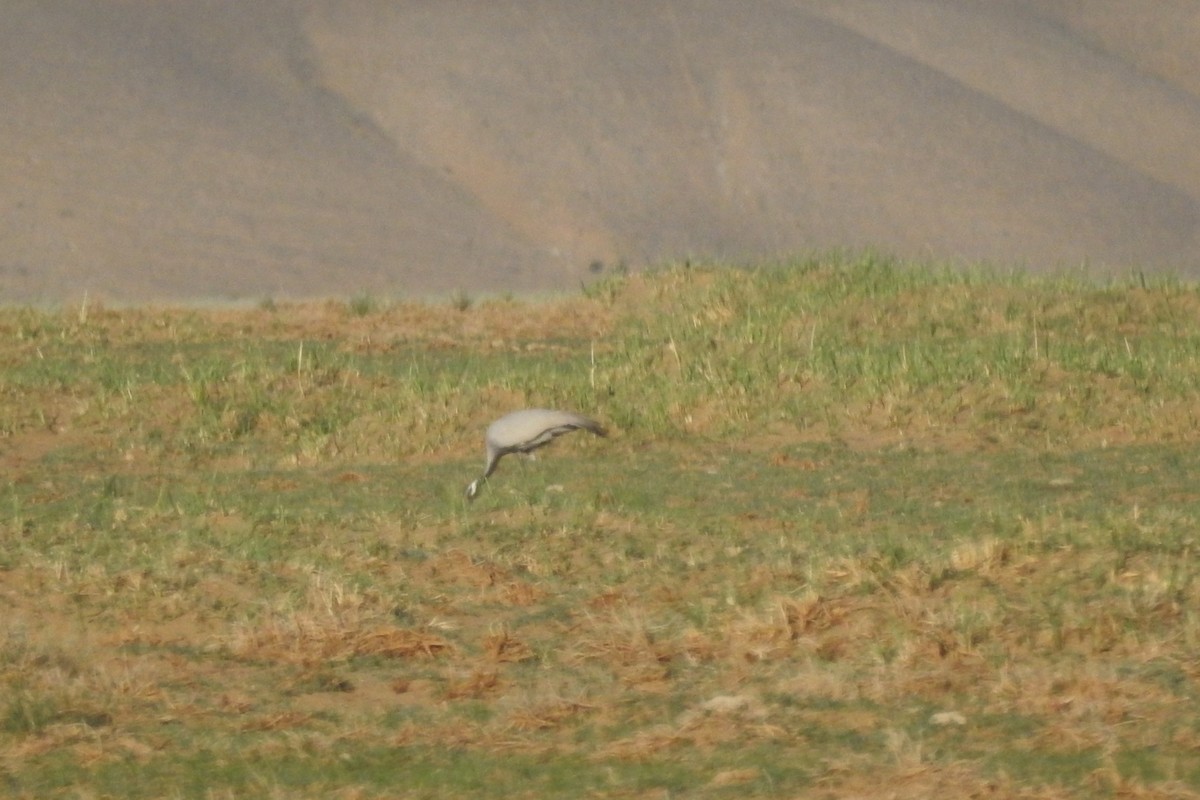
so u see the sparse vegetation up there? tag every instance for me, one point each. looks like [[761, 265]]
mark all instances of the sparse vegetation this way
[[460, 300], [862, 529], [363, 304]]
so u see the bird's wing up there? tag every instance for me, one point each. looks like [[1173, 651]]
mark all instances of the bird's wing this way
[[533, 427]]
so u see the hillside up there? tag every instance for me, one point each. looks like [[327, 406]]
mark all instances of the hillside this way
[[223, 150]]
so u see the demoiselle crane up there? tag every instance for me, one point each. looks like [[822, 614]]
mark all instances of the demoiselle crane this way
[[525, 431]]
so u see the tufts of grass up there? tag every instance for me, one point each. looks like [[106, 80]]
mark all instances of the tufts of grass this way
[[360, 305]]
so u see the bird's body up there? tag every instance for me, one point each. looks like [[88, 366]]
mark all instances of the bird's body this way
[[525, 431]]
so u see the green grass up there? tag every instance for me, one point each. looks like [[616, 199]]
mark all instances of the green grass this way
[[841, 496]]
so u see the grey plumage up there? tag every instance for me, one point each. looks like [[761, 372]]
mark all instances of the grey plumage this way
[[525, 431]]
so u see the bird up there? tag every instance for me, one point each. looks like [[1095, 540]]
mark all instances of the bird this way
[[525, 431]]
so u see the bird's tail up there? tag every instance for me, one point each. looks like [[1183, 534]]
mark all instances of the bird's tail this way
[[589, 424]]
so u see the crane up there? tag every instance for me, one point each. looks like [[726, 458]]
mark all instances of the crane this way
[[525, 431]]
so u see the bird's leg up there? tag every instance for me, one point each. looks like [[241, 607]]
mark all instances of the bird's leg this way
[[524, 460]]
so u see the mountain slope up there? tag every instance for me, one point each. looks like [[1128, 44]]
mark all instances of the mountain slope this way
[[192, 150]]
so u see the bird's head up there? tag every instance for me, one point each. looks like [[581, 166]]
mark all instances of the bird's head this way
[[472, 489]]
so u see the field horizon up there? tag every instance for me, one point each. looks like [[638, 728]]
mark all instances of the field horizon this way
[[862, 527]]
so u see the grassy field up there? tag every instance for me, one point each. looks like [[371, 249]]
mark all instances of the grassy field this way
[[861, 529]]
